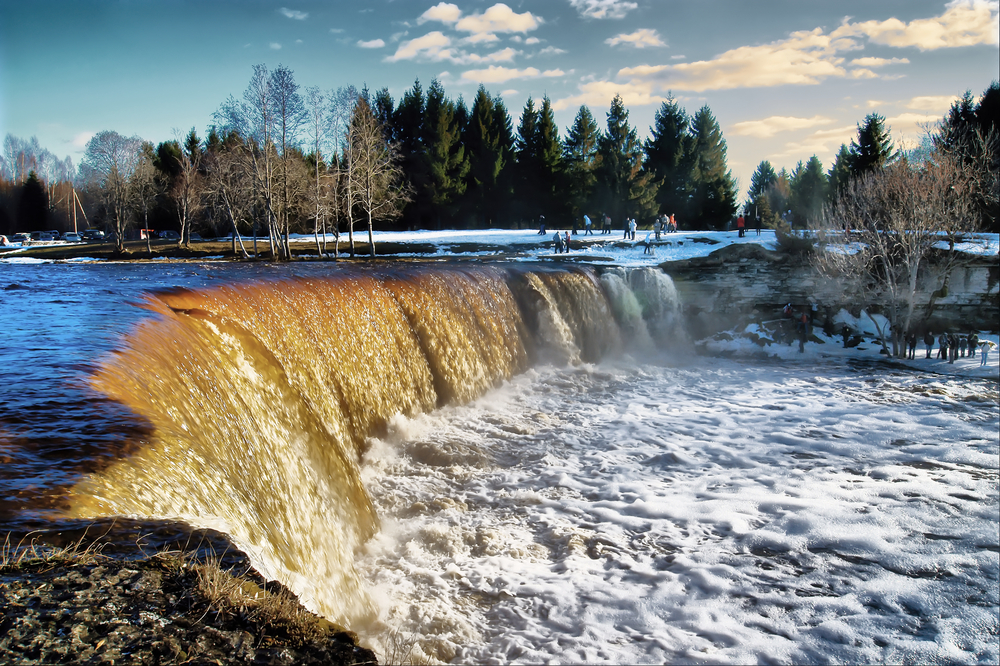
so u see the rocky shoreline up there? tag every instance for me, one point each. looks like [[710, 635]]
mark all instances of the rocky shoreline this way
[[71, 606]]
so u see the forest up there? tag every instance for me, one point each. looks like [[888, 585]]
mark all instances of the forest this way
[[280, 159]]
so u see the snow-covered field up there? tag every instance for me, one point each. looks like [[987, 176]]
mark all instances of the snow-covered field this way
[[528, 245]]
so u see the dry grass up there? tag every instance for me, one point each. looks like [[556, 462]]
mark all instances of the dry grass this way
[[33, 552]]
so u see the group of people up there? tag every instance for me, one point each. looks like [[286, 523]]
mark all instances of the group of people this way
[[560, 244], [951, 346], [741, 226], [664, 224]]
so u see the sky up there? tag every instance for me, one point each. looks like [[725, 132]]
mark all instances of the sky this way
[[785, 79]]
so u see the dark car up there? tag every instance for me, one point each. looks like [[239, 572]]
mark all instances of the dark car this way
[[169, 234], [41, 236], [92, 235]]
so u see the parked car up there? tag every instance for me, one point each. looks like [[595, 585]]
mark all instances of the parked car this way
[[169, 234], [3, 241], [71, 237], [20, 238], [195, 237], [41, 236], [92, 235]]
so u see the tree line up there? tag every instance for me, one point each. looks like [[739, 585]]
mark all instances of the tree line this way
[[801, 197], [280, 159]]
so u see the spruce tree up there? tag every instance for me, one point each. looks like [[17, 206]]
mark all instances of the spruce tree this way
[[581, 159], [839, 174], [486, 158], [408, 135], [761, 179], [445, 158], [527, 168], [712, 190], [808, 192], [666, 157], [624, 189], [550, 164], [873, 147]]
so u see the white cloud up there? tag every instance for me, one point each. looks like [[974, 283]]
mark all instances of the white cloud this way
[[481, 38], [532, 40], [963, 23], [822, 143], [504, 55], [603, 9], [82, 139], [444, 12], [911, 123], [371, 44], [600, 93], [496, 74], [938, 103], [879, 62], [551, 50], [336, 31], [767, 127], [640, 39], [805, 58], [874, 103], [432, 46], [275, 46], [294, 14], [510, 92], [499, 18], [396, 36], [809, 57]]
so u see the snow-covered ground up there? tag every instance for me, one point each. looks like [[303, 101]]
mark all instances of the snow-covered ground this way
[[528, 245]]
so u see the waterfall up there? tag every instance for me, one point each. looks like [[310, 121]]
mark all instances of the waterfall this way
[[260, 397]]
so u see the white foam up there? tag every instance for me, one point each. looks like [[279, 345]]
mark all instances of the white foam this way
[[722, 513]]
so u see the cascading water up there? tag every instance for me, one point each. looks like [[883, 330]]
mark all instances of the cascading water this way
[[261, 397]]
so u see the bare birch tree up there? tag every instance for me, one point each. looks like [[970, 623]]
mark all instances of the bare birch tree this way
[[375, 179], [253, 119], [230, 184], [289, 114], [146, 187], [110, 160]]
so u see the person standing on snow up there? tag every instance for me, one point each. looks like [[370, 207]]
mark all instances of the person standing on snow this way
[[557, 238], [929, 342], [984, 347], [587, 231], [973, 343]]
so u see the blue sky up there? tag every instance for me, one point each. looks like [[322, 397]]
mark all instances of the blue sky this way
[[785, 79]]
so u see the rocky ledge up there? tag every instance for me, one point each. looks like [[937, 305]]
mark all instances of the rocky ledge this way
[[163, 609]]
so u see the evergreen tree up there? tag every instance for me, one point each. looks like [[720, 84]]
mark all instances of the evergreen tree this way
[[550, 164], [808, 192], [624, 188], [581, 158], [445, 157], [503, 197], [33, 204], [408, 135], [527, 166], [383, 108], [873, 147], [971, 131], [761, 179], [666, 157], [839, 174], [712, 190], [486, 158]]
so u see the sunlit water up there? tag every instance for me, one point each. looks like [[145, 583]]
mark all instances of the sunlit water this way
[[652, 506]]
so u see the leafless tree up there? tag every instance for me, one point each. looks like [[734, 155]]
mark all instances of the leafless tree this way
[[289, 115], [110, 160], [230, 184], [253, 119], [888, 225], [375, 179], [145, 188]]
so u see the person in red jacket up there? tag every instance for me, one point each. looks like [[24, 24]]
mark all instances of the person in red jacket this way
[[740, 225]]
